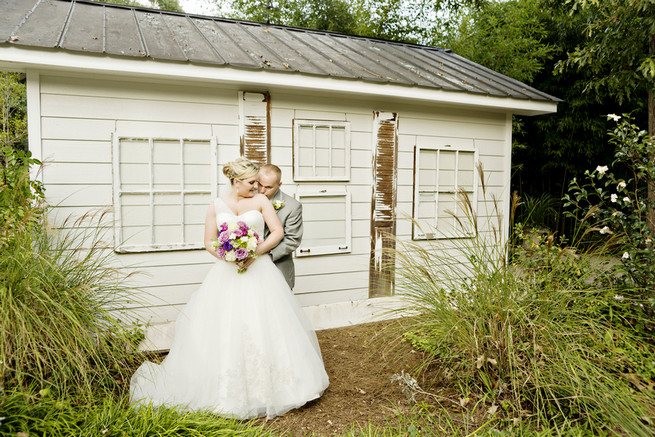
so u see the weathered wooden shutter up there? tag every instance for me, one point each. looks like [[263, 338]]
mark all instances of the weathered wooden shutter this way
[[255, 126], [383, 211]]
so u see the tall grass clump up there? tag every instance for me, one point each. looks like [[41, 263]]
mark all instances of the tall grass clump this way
[[536, 339], [57, 295]]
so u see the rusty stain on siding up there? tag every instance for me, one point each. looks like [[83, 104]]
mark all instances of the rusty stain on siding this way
[[383, 205], [255, 139]]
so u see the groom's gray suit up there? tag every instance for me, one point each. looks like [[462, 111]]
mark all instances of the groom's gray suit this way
[[291, 217]]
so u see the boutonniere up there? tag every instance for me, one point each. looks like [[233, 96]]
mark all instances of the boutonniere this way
[[278, 204]]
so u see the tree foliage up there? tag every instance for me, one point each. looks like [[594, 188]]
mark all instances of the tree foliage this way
[[13, 111], [507, 37], [617, 49]]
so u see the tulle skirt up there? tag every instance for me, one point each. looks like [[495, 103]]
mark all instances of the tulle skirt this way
[[242, 349]]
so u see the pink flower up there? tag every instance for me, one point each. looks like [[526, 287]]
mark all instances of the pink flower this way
[[220, 252], [223, 237], [241, 253], [242, 224]]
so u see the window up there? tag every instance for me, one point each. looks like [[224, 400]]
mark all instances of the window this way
[[326, 223], [439, 174], [161, 191], [321, 150]]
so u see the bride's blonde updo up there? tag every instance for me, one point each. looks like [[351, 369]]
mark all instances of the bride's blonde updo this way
[[240, 169]]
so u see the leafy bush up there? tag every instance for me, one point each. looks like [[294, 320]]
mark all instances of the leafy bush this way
[[536, 337], [20, 196], [617, 212], [57, 294]]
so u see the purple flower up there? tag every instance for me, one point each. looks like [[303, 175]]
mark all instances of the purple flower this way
[[220, 252], [242, 224], [241, 253], [227, 246], [223, 237], [223, 227], [239, 233], [256, 236]]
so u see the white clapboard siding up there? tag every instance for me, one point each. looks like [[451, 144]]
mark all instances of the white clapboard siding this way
[[80, 115]]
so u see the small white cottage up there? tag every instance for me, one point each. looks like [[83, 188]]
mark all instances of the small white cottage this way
[[136, 109]]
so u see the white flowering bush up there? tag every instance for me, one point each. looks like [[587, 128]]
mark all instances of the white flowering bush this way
[[615, 210]]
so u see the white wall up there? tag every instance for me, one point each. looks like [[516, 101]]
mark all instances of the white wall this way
[[80, 114]]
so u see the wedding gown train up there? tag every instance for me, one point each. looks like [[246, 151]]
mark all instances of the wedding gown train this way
[[242, 347]]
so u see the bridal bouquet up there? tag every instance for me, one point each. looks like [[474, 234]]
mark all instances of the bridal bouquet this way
[[236, 242]]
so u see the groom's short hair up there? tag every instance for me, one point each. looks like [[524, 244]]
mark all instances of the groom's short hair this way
[[272, 168]]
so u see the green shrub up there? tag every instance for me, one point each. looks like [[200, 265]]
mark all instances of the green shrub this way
[[536, 337]]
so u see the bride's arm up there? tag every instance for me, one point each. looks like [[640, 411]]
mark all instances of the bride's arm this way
[[274, 226], [211, 230]]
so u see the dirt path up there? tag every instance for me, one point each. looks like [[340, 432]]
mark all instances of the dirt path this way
[[360, 368]]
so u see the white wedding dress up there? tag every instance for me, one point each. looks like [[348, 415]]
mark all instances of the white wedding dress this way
[[242, 348]]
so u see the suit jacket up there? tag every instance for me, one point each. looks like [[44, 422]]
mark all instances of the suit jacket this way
[[291, 217]]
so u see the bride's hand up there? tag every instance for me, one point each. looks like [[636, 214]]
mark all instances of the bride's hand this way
[[245, 263]]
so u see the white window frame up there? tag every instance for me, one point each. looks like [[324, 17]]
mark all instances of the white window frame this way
[[304, 250], [421, 234], [297, 123], [122, 247]]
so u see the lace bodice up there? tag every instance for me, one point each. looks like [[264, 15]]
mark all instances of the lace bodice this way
[[252, 218]]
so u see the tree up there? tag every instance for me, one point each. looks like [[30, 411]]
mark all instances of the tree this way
[[507, 37], [619, 52], [13, 111], [398, 20]]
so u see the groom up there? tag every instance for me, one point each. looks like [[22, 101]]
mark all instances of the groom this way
[[289, 211]]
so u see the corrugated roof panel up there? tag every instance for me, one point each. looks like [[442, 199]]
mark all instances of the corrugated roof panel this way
[[13, 14], [261, 54], [122, 36], [85, 29], [376, 53], [159, 40], [224, 46], [45, 25], [285, 48], [329, 48], [82, 25], [193, 44], [298, 38]]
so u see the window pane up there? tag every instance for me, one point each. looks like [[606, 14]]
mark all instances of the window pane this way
[[197, 152], [427, 207], [166, 152], [166, 176], [135, 151]]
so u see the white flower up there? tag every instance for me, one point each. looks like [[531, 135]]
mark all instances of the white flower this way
[[626, 255], [626, 199], [278, 204], [618, 297], [613, 117], [252, 245], [605, 230], [613, 198], [602, 169], [232, 226], [230, 256], [620, 185]]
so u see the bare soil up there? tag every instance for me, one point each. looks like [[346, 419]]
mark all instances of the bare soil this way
[[360, 361]]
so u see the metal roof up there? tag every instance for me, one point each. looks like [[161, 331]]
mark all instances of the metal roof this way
[[94, 27]]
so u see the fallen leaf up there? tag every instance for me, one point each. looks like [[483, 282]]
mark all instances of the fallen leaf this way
[[492, 410], [14, 38]]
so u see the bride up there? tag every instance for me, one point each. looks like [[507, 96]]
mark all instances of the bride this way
[[242, 345]]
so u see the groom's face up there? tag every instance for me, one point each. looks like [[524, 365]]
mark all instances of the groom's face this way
[[268, 184]]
